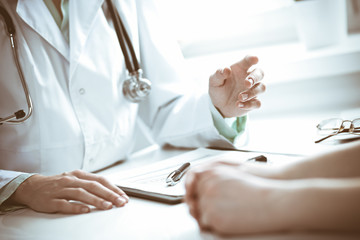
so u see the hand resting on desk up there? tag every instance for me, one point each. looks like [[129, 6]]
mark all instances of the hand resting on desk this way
[[318, 193], [54, 193]]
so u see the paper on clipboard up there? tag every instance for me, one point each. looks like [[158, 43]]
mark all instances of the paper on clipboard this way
[[150, 181]]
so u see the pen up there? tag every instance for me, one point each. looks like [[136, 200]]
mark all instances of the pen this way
[[260, 158], [175, 176]]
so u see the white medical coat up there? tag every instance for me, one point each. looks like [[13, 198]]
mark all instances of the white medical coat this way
[[81, 119]]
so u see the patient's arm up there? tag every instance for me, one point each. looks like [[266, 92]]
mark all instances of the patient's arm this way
[[225, 200], [339, 163], [323, 204]]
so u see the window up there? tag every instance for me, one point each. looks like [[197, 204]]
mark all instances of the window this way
[[211, 26], [216, 33]]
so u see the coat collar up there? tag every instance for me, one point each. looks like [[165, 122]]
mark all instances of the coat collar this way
[[37, 16], [82, 14]]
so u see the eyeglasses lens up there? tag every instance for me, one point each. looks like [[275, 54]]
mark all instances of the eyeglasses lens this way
[[356, 125], [330, 126]]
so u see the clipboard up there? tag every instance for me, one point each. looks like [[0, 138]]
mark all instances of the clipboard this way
[[149, 182]]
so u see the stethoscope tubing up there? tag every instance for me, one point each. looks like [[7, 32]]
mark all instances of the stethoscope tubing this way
[[138, 87], [126, 45], [23, 82], [11, 32]]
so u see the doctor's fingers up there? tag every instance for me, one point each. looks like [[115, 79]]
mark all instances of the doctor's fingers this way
[[251, 93], [244, 107], [83, 187], [100, 179], [254, 77], [84, 196], [246, 63], [219, 77], [64, 206]]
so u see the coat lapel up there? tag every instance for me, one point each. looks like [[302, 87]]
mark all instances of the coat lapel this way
[[37, 16], [82, 14]]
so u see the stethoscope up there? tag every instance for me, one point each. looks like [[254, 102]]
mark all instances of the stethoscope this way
[[135, 89]]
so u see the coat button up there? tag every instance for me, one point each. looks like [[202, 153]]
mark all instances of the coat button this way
[[82, 91]]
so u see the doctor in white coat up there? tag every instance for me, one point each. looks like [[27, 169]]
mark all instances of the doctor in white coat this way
[[81, 121]]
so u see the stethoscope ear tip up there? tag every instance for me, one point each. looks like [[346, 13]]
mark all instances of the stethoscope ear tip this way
[[19, 114]]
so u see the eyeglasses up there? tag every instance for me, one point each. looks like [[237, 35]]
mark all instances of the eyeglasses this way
[[335, 126]]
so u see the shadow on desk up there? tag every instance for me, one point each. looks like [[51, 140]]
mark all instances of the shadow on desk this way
[[288, 236]]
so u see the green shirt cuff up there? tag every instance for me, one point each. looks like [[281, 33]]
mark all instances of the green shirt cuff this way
[[230, 128]]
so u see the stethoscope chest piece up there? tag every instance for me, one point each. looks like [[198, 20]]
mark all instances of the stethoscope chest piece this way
[[136, 88]]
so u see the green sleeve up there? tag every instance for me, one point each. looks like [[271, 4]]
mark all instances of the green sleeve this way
[[230, 128]]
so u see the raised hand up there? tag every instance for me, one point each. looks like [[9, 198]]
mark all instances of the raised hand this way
[[234, 90]]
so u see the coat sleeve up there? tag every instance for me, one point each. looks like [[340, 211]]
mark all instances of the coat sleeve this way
[[9, 182], [7, 176], [10, 187], [177, 112]]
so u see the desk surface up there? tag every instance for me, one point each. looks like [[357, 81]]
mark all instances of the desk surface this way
[[140, 219], [294, 134]]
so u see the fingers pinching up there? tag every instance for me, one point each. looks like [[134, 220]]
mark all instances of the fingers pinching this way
[[251, 93], [249, 105], [254, 77]]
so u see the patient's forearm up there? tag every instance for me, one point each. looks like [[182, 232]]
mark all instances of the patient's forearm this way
[[323, 204], [343, 162]]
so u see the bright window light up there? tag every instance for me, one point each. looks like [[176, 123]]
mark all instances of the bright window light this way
[[210, 26]]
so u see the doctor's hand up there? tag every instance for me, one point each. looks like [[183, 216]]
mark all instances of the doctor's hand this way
[[70, 192], [234, 90]]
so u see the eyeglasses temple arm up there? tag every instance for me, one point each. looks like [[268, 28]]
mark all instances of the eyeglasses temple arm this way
[[322, 139]]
